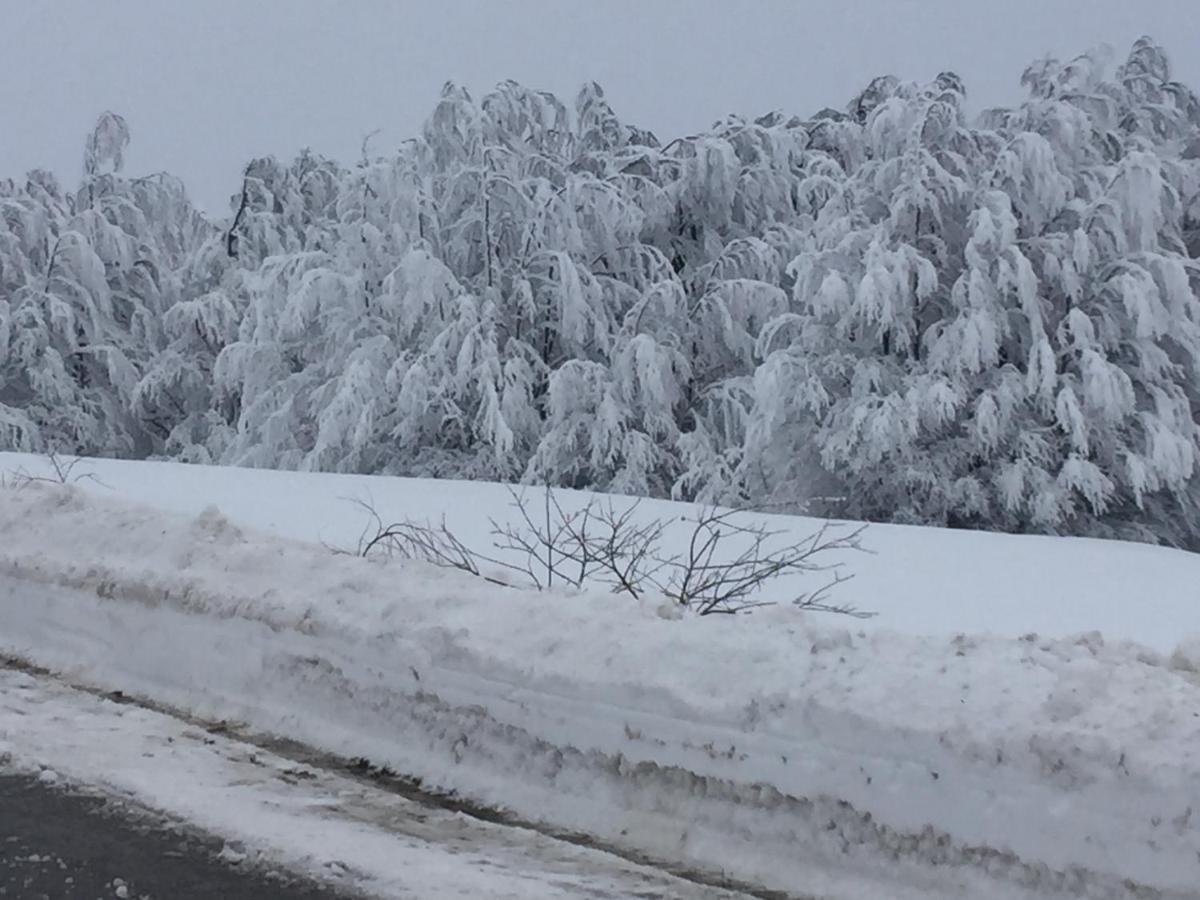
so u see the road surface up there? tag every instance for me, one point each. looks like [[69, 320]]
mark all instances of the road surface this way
[[58, 844]]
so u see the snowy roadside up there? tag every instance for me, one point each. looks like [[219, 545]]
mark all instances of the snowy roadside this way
[[921, 581], [787, 752], [279, 813]]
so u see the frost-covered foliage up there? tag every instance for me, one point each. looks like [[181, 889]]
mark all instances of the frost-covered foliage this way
[[887, 311], [87, 282]]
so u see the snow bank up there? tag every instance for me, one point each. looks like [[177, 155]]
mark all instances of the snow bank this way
[[921, 581], [275, 812], [785, 750]]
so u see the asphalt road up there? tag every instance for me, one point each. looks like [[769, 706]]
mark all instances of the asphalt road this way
[[60, 845]]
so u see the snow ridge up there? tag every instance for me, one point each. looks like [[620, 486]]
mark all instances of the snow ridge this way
[[793, 754]]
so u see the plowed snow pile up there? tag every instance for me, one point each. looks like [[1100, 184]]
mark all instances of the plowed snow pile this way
[[805, 754]]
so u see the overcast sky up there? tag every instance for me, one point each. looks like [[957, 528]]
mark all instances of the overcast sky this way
[[206, 84]]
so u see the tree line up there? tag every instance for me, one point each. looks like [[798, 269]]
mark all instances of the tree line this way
[[890, 310]]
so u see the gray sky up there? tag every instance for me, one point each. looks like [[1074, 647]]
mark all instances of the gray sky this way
[[206, 84]]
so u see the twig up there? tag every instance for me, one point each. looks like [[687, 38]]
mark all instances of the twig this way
[[63, 473], [709, 584], [435, 544]]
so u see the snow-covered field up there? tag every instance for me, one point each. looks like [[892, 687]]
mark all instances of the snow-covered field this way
[[1021, 720], [920, 581]]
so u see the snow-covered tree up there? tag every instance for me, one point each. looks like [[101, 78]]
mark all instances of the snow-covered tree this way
[[887, 310], [88, 278]]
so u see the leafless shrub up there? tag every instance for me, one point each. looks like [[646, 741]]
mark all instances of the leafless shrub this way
[[629, 554], [434, 544], [708, 580], [595, 543], [62, 472], [724, 570], [543, 544]]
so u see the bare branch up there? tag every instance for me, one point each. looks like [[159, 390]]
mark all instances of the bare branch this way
[[63, 469], [546, 546], [723, 571], [710, 583], [435, 544], [817, 601]]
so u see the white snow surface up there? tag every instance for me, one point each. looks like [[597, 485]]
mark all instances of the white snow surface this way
[[923, 581], [809, 754], [274, 812]]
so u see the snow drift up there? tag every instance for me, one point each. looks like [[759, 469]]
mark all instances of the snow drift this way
[[921, 581]]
